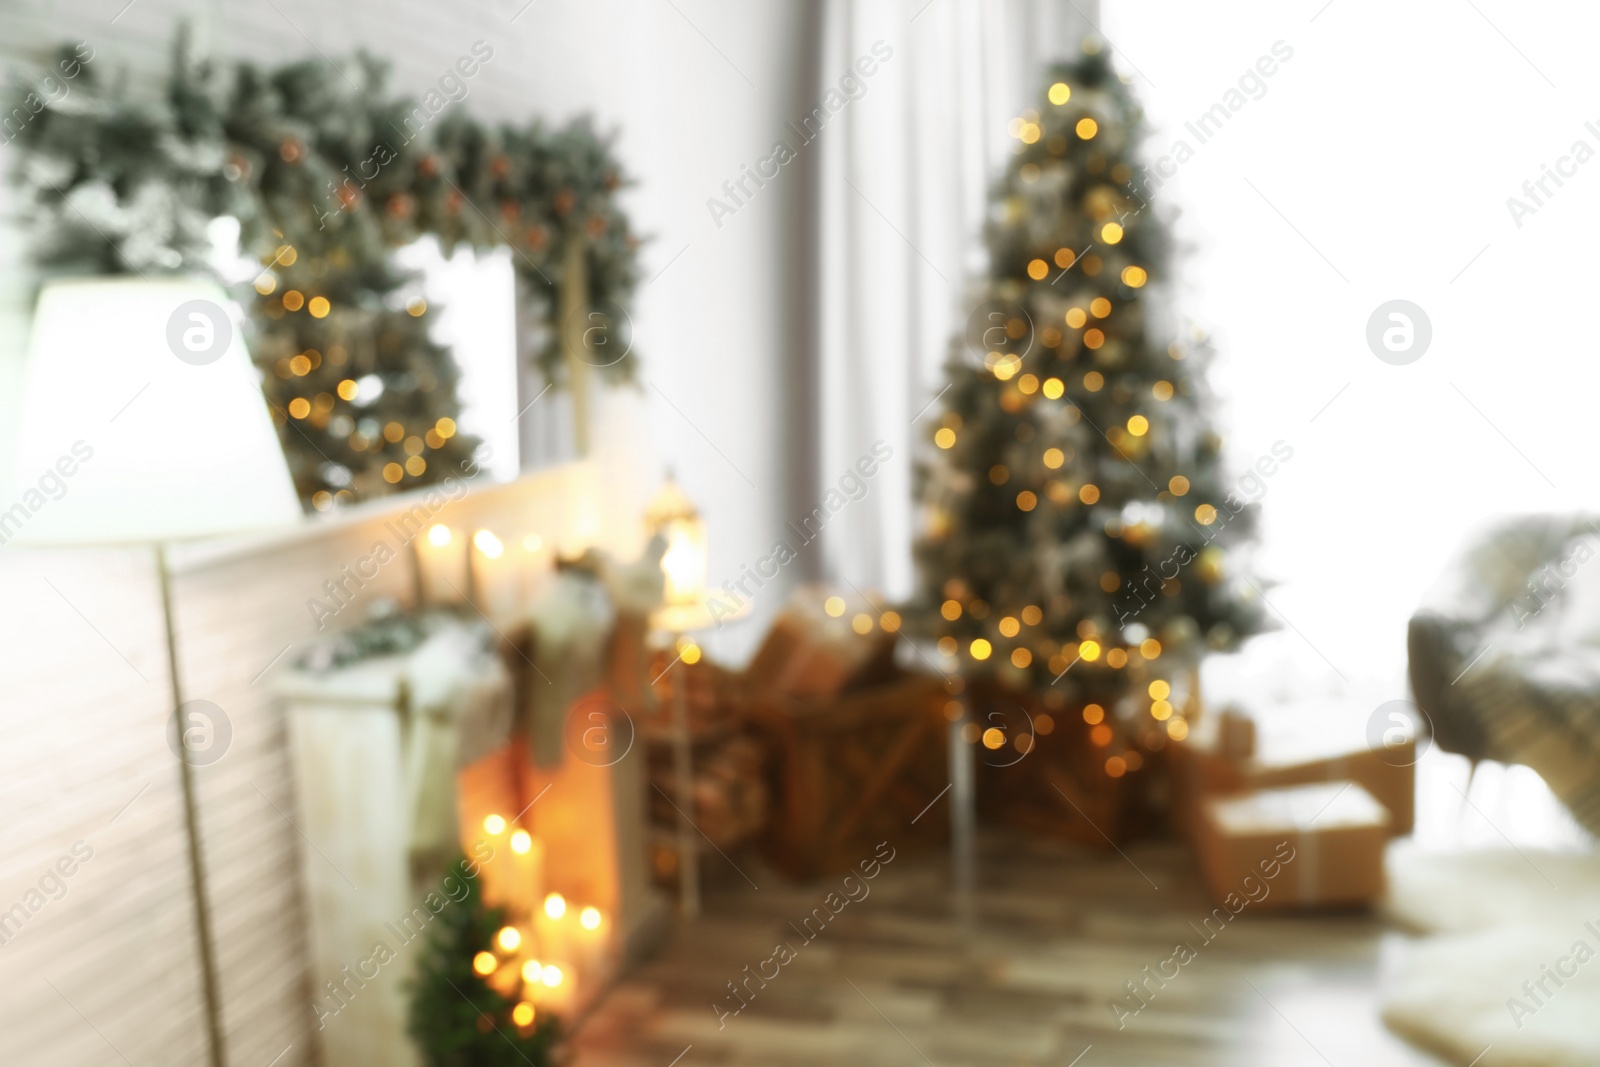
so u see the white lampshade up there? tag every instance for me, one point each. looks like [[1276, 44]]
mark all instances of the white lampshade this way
[[142, 420]]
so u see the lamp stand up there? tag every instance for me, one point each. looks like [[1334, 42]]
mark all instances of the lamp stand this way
[[683, 771], [191, 818]]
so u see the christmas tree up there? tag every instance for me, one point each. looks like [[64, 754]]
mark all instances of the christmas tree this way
[[365, 397], [1077, 516], [464, 1009]]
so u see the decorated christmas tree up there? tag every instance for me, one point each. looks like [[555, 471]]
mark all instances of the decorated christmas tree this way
[[1077, 515], [465, 1011]]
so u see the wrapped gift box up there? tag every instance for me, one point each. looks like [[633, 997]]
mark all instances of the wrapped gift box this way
[[1304, 846], [1294, 745], [810, 654]]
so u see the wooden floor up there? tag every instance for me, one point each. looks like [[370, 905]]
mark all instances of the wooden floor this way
[[1052, 934]]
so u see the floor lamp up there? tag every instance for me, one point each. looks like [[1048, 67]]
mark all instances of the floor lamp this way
[[143, 418]]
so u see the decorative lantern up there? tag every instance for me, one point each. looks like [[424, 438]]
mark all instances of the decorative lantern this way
[[672, 517]]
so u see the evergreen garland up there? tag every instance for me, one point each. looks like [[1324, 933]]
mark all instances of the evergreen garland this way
[[326, 176]]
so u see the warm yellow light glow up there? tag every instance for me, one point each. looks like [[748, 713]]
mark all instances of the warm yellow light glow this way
[[1037, 269], [1054, 457], [416, 465], [861, 623], [951, 609], [522, 1014], [1065, 257], [980, 648], [1089, 650], [521, 842], [890, 622], [1093, 714], [1031, 615], [1117, 658], [1138, 425], [319, 307], [347, 389], [1026, 500], [1087, 128], [834, 606], [589, 918], [1178, 484], [1161, 390], [1177, 729], [1053, 388], [445, 427], [948, 646], [393, 472], [1005, 366], [1111, 233], [555, 905], [1021, 657], [552, 975], [533, 542], [1076, 317], [294, 300], [1028, 384], [299, 407], [1060, 93], [532, 971], [1101, 735], [1089, 493], [1010, 627], [945, 437], [993, 737], [485, 963], [1205, 514], [1094, 381], [1161, 710], [1030, 132], [509, 938], [1116, 767], [1099, 307], [1159, 689], [1150, 648], [494, 824], [690, 654], [486, 542], [1134, 277], [417, 308]]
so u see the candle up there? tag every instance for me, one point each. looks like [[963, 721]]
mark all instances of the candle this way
[[589, 952], [441, 564], [526, 859], [496, 577]]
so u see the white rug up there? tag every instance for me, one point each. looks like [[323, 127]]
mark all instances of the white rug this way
[[1512, 977]]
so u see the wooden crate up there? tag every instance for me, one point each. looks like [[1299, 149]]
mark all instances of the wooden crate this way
[[852, 771]]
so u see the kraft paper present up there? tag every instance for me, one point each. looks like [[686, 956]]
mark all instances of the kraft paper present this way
[[1297, 747], [1305, 846]]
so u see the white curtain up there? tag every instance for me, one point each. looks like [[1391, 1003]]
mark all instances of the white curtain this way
[[902, 175]]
